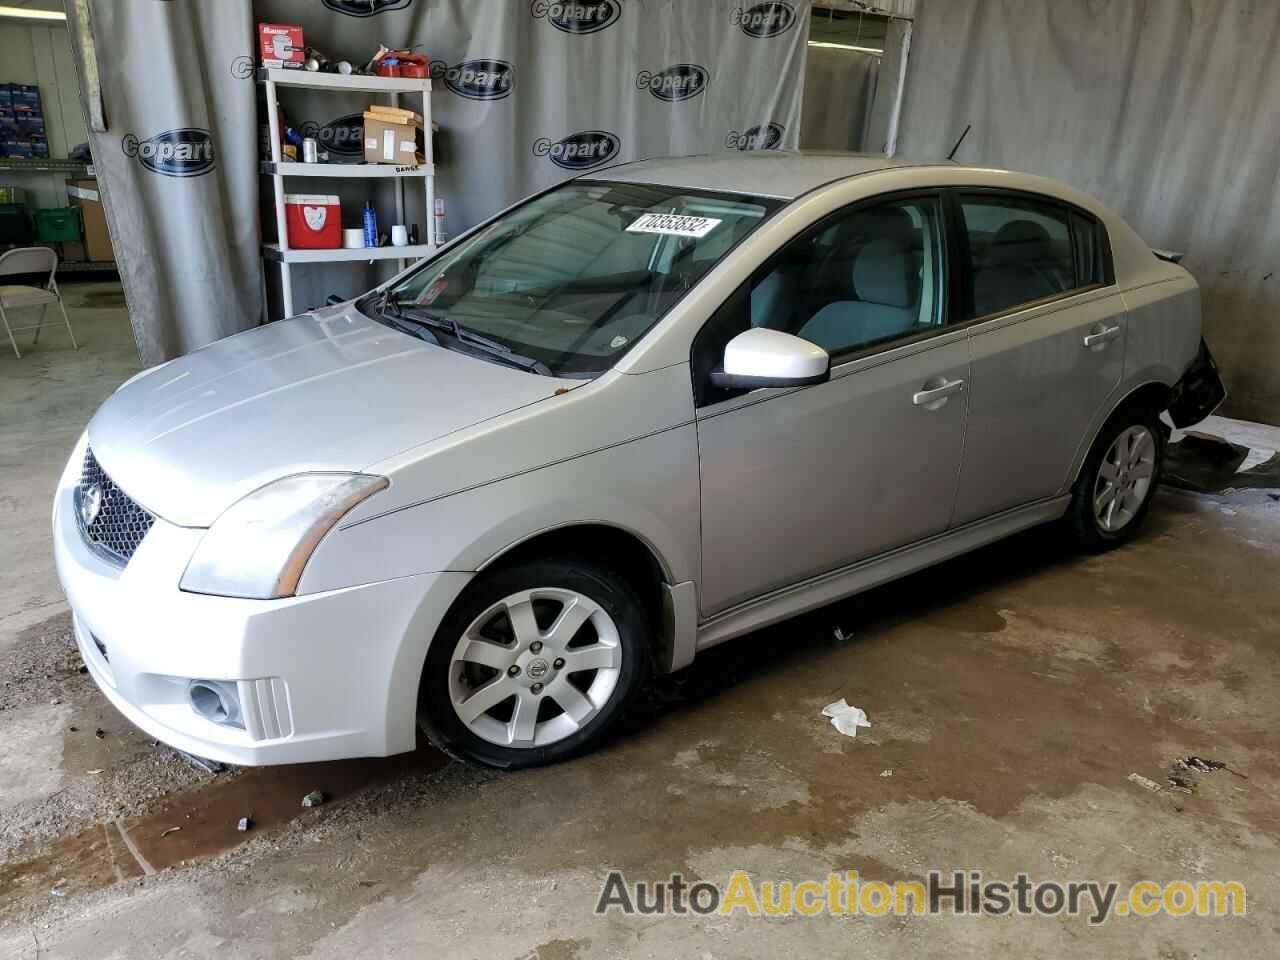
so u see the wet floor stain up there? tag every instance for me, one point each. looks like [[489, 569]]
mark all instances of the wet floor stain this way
[[206, 821], [972, 617], [100, 299]]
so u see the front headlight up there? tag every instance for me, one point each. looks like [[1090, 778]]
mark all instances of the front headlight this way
[[259, 546]]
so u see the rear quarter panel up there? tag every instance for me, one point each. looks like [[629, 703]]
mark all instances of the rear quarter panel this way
[[1164, 329], [1162, 336]]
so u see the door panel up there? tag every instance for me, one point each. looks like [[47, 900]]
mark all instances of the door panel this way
[[796, 484], [1036, 389]]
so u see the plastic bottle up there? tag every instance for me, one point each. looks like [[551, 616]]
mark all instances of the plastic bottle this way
[[370, 226]]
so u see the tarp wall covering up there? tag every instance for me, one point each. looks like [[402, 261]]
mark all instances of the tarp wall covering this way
[[516, 82], [177, 167], [1163, 109], [513, 79]]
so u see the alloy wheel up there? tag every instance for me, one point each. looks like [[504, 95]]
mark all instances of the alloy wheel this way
[[535, 667], [1124, 478]]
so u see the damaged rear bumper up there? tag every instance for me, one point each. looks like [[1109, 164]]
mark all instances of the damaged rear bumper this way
[[1199, 392]]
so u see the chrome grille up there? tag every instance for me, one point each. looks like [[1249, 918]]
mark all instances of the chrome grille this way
[[120, 524]]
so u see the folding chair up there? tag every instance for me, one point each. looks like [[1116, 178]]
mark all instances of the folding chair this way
[[30, 260]]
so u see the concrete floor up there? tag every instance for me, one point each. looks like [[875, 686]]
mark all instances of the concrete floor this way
[[1011, 695]]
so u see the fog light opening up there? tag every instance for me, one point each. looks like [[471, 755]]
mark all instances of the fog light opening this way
[[216, 701]]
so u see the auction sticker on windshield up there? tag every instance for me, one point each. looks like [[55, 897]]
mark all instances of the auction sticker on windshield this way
[[674, 224]]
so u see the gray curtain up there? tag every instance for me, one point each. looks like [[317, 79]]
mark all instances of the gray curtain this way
[[177, 164], [556, 77], [839, 89], [1164, 109]]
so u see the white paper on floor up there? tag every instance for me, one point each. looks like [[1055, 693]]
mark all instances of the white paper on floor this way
[[845, 718]]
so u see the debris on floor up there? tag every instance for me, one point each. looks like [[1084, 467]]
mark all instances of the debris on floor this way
[[1206, 463], [1183, 773], [841, 635], [886, 773], [211, 767], [244, 824], [1145, 783], [1204, 766], [845, 718], [169, 830], [313, 799]]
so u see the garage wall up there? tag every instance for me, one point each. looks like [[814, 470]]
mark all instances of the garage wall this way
[[1163, 109]]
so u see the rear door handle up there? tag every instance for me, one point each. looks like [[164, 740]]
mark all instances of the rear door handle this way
[[933, 397], [1101, 337]]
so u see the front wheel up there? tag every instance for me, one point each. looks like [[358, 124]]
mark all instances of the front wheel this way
[[1113, 494], [535, 663]]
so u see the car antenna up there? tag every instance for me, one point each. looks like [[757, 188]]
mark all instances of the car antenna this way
[[952, 154]]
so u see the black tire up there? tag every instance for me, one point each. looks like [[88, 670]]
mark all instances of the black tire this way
[[446, 730], [1086, 528]]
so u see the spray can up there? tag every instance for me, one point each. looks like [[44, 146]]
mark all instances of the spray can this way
[[441, 227], [370, 226], [310, 151]]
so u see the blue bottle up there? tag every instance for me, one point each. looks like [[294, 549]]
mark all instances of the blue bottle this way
[[370, 226]]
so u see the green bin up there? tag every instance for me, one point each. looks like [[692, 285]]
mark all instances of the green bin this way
[[58, 225]]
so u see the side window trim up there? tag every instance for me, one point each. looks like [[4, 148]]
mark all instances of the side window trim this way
[[956, 225]]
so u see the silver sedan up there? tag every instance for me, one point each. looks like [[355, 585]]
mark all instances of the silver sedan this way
[[632, 417]]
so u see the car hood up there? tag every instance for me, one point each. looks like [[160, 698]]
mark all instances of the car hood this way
[[336, 391]]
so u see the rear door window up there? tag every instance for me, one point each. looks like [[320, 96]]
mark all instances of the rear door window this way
[[1020, 251]]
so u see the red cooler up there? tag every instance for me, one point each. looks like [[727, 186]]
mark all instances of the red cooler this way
[[314, 221]]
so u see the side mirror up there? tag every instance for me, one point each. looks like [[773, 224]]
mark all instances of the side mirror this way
[[760, 357]]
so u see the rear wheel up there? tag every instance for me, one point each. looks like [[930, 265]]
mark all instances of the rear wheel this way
[[536, 663], [1114, 491]]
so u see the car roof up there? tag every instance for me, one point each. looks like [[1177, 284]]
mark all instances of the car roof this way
[[784, 174]]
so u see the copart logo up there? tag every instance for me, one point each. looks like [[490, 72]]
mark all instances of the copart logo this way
[[765, 136], [684, 81], [185, 152], [343, 137], [365, 8], [582, 16], [579, 151], [476, 79], [764, 20]]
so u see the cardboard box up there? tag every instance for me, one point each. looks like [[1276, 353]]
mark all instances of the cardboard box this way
[[394, 136], [280, 45], [97, 239]]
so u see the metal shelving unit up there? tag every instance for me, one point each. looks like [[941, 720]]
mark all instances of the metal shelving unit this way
[[44, 165], [277, 168]]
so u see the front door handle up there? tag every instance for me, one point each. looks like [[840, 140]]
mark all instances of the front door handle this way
[[935, 393], [1100, 338]]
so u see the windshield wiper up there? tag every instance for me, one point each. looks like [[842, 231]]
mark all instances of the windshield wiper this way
[[463, 335], [389, 303], [392, 313]]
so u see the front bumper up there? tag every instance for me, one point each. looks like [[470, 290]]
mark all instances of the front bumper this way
[[321, 676]]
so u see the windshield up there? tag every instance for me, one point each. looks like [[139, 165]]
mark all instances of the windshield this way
[[572, 279]]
